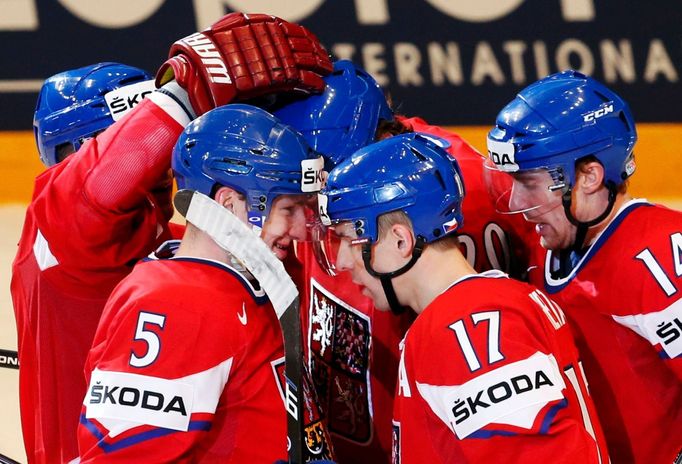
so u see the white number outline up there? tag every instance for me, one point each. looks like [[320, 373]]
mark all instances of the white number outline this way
[[149, 337], [657, 270], [494, 324], [572, 377], [491, 229]]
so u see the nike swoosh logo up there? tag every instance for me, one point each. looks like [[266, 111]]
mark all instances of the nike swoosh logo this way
[[242, 315]]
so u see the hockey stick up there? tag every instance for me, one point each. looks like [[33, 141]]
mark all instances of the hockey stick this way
[[5, 460], [9, 359], [238, 239]]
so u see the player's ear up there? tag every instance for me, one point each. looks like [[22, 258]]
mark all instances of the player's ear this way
[[403, 238], [590, 177], [226, 197]]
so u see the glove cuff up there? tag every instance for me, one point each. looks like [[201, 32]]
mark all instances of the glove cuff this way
[[180, 96]]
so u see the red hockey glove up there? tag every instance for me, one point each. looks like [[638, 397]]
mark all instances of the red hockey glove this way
[[245, 56]]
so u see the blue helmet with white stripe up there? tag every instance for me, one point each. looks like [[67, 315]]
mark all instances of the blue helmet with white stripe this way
[[344, 117], [560, 119], [72, 105]]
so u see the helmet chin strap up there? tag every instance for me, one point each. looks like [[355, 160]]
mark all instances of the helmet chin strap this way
[[385, 277], [581, 233]]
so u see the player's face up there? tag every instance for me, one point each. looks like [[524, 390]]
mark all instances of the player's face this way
[[349, 258], [285, 223], [532, 194]]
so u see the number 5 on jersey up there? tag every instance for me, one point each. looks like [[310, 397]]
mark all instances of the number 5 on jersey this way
[[142, 333]]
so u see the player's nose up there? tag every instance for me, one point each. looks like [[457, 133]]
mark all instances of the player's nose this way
[[344, 257]]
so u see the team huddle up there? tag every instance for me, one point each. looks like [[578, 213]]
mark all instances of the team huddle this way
[[352, 285]]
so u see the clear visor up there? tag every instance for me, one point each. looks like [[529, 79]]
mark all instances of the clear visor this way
[[327, 243], [313, 223], [537, 190]]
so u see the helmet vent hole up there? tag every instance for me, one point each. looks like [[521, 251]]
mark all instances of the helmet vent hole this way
[[128, 80], [416, 153], [624, 120], [603, 97], [439, 177], [256, 151]]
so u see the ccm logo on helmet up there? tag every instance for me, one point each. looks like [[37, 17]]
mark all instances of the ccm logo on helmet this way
[[592, 115], [215, 66]]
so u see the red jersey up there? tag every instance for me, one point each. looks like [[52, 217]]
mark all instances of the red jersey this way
[[352, 354], [623, 301], [91, 217], [489, 373], [354, 349], [184, 368], [489, 240]]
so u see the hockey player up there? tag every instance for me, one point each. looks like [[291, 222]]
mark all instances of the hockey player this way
[[185, 362], [55, 324], [98, 211], [612, 262], [353, 349], [488, 370]]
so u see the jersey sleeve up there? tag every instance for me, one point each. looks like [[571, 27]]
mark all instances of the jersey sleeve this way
[[97, 209], [487, 361], [156, 379], [651, 277]]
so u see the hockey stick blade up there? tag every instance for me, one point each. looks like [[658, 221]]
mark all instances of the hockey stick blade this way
[[238, 239]]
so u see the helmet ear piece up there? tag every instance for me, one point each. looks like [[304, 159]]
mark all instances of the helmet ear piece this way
[[560, 120]]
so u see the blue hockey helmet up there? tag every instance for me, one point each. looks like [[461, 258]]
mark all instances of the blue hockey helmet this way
[[249, 150], [344, 117], [409, 172], [72, 105], [560, 119]]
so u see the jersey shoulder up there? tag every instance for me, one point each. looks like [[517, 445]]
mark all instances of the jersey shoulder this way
[[196, 296], [643, 243], [640, 223], [492, 356], [481, 310], [459, 148]]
